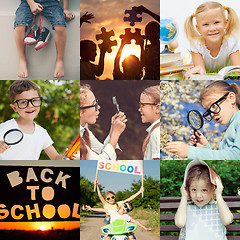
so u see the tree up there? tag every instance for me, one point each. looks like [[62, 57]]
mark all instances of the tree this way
[[87, 195], [177, 98], [172, 175]]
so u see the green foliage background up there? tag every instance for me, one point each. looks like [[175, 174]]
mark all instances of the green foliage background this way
[[172, 175], [59, 114], [150, 199]]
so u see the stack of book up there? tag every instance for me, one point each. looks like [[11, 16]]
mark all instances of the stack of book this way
[[172, 63]]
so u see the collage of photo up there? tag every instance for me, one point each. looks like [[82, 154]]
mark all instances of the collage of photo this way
[[199, 120]]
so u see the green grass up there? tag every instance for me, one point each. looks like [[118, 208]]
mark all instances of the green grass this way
[[151, 216]]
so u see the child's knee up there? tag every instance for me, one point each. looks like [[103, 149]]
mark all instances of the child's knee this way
[[20, 29], [60, 29]]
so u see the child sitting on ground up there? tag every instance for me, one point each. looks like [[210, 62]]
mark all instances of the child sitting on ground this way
[[120, 214], [88, 53], [26, 100], [110, 200], [52, 10]]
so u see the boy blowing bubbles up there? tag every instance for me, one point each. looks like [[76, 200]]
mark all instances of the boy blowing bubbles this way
[[26, 101]]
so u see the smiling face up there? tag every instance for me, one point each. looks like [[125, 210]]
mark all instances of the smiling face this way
[[110, 198], [227, 105], [200, 192], [89, 115], [211, 24], [149, 113], [30, 112]]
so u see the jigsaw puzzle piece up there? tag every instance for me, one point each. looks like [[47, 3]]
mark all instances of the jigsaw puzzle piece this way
[[105, 36], [132, 18], [128, 36]]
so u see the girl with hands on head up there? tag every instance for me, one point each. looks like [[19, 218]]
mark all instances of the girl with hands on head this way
[[90, 147], [206, 207]]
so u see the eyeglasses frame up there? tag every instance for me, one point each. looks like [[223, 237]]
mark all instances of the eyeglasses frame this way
[[208, 112], [29, 100], [94, 105]]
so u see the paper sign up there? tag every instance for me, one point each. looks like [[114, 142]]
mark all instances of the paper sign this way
[[121, 166]]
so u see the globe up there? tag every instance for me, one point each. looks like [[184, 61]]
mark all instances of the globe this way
[[168, 30]]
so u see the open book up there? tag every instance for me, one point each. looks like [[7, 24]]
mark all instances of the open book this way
[[216, 76]]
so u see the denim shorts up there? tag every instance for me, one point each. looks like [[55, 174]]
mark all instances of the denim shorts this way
[[51, 10]]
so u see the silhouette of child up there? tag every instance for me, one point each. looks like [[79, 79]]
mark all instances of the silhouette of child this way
[[132, 67], [88, 53], [151, 56]]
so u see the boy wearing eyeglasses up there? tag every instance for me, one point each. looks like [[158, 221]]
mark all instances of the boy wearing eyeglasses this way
[[26, 100], [120, 214]]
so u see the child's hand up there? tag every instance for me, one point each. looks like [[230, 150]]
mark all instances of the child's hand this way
[[119, 123], [148, 229], [74, 156], [141, 9], [219, 189], [199, 139], [196, 70], [103, 47], [179, 148], [68, 15], [96, 182], [35, 7], [141, 189], [88, 208], [87, 16], [184, 192], [3, 146]]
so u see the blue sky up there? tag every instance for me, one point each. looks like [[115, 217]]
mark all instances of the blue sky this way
[[118, 181]]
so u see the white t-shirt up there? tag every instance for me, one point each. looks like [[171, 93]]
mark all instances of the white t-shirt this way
[[115, 215], [214, 64], [153, 146], [31, 145]]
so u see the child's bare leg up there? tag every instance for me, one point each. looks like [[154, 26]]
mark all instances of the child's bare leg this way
[[19, 34], [60, 42]]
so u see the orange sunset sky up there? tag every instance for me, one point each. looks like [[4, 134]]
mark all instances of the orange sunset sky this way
[[109, 14], [31, 226]]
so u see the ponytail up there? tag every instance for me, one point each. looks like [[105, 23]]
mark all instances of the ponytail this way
[[233, 26], [190, 31]]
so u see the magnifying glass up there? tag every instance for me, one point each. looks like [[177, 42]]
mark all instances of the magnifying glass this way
[[13, 136], [195, 121]]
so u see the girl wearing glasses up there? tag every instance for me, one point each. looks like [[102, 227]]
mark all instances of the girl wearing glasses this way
[[90, 147], [109, 202], [150, 113], [222, 103]]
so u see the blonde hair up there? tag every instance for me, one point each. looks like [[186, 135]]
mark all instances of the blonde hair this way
[[154, 93], [84, 142], [221, 87], [232, 29]]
